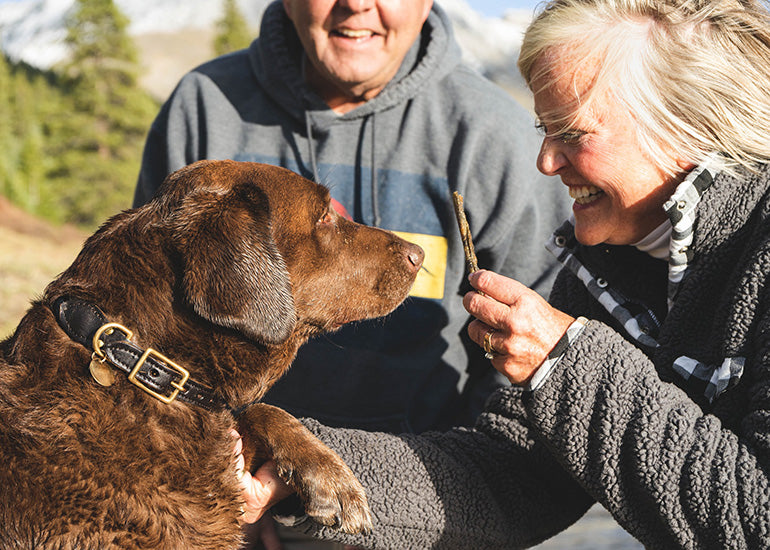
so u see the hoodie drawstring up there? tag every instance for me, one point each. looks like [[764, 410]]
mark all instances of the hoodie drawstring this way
[[375, 203], [373, 169], [311, 148]]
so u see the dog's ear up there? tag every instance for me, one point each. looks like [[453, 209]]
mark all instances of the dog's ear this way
[[234, 275]]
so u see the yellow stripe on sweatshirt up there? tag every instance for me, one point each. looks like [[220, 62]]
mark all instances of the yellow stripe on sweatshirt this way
[[430, 279]]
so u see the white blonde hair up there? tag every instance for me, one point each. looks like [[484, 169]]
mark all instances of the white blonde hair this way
[[694, 74]]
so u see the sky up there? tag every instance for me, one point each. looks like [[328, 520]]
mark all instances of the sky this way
[[490, 8], [495, 8]]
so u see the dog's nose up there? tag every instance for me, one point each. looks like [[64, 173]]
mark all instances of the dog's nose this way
[[415, 255]]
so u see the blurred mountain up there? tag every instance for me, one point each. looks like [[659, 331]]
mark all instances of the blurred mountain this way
[[174, 36]]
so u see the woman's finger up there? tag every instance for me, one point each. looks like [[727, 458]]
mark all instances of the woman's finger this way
[[501, 288], [261, 491], [489, 338]]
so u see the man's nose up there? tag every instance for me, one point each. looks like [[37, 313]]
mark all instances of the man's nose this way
[[357, 5]]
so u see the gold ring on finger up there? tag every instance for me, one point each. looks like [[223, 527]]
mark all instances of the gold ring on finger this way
[[489, 351]]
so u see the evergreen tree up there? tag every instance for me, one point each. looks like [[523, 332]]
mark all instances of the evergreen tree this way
[[7, 157], [28, 147], [232, 31], [102, 131], [21, 135]]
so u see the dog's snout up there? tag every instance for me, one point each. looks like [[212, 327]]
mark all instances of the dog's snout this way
[[415, 255]]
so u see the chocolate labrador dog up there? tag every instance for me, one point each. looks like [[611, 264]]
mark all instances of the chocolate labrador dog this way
[[120, 386]]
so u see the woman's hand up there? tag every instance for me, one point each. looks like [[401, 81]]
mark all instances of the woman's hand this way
[[259, 491], [520, 326]]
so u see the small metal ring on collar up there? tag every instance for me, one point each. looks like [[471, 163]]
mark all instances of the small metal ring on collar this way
[[489, 351], [107, 329]]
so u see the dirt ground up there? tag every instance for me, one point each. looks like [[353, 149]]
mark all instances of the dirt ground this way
[[32, 253]]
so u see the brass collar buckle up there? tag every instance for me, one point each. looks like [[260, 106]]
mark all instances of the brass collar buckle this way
[[178, 386], [149, 354], [149, 370]]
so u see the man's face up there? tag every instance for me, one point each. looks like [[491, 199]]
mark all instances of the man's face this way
[[355, 47]]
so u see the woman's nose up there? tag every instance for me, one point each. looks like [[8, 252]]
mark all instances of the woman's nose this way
[[550, 159]]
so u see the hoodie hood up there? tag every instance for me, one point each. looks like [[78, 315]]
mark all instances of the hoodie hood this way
[[277, 60]]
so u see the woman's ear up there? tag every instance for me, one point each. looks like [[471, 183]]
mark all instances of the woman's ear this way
[[684, 165]]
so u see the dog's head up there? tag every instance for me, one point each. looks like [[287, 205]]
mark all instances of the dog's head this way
[[262, 251]]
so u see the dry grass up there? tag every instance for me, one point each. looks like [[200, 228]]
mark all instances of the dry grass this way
[[31, 255]]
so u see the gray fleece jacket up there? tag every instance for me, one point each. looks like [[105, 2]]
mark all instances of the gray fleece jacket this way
[[393, 162], [678, 464]]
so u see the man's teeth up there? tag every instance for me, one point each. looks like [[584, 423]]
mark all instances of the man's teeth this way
[[350, 33], [585, 193]]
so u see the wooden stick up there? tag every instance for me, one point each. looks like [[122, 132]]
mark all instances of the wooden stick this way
[[465, 233]]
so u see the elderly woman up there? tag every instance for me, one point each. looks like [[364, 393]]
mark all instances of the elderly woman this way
[[645, 384]]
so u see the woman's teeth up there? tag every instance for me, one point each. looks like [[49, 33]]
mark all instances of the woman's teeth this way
[[585, 193]]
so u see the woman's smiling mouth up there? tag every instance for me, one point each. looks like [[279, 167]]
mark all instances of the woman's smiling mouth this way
[[584, 194]]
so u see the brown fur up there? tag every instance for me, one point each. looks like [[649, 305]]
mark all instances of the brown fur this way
[[227, 272]]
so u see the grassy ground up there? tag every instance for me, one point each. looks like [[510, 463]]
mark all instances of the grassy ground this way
[[31, 255]]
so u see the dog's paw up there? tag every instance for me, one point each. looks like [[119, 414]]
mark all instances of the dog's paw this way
[[330, 492]]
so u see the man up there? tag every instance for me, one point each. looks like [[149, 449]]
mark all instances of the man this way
[[370, 98]]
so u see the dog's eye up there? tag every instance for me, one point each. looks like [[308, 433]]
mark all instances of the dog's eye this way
[[327, 218]]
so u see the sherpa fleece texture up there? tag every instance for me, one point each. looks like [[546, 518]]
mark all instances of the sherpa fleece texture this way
[[612, 423]]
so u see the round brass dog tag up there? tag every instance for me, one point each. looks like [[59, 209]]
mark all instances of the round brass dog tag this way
[[102, 372]]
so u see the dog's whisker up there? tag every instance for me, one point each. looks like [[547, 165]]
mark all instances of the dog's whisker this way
[[327, 337]]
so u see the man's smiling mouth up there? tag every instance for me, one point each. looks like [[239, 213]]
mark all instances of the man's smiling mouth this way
[[356, 34]]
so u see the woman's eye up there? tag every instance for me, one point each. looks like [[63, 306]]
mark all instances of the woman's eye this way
[[572, 137]]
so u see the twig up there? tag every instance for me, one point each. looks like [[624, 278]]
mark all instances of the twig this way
[[465, 233]]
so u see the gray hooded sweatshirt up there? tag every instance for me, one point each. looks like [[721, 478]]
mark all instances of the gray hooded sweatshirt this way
[[393, 162]]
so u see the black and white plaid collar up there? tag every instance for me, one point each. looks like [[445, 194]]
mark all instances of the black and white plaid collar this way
[[681, 209]]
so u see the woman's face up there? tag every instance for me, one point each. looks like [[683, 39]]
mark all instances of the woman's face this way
[[618, 191]]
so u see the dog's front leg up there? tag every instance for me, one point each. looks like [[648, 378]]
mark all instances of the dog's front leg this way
[[328, 489]]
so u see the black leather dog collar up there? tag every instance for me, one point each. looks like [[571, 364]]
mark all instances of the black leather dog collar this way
[[146, 369]]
